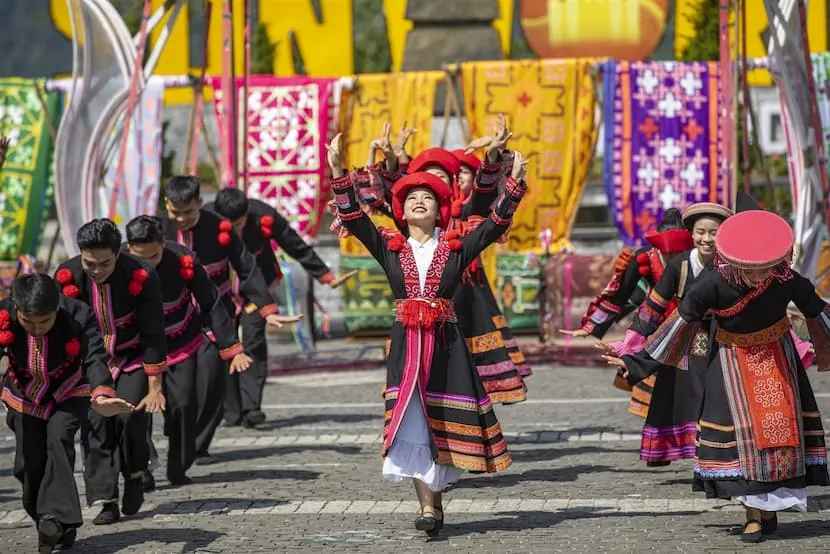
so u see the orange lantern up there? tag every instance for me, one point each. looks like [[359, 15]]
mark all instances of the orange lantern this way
[[621, 29]]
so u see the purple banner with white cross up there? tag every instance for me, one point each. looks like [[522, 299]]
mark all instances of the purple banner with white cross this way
[[661, 141]]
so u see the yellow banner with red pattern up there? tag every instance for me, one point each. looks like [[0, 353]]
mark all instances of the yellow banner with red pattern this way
[[374, 100], [550, 106]]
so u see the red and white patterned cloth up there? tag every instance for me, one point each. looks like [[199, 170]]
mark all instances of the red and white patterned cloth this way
[[288, 122]]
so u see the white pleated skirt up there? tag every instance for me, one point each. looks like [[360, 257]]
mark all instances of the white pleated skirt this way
[[410, 456]]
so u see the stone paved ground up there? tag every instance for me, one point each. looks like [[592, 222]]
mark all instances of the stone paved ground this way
[[309, 480]]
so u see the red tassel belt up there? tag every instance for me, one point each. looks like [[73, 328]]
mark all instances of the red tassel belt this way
[[424, 312]]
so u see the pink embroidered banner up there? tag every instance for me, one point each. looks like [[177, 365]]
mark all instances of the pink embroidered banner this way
[[288, 121]]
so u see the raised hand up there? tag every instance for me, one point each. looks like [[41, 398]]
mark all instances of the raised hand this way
[[403, 137], [519, 166], [475, 144], [334, 155], [501, 135]]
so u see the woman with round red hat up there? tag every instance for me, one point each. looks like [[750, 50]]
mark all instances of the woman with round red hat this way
[[635, 273], [439, 419], [671, 422], [760, 434], [499, 361]]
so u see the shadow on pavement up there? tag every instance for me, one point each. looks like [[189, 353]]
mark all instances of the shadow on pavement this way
[[256, 453], [560, 474], [194, 540], [254, 474], [521, 521], [310, 419], [544, 454]]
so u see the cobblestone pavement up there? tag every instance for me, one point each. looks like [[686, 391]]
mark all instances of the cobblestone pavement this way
[[309, 480]]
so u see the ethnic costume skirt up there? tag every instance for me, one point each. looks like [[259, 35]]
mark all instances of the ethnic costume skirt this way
[[496, 354], [670, 430], [760, 434], [641, 396], [443, 415]]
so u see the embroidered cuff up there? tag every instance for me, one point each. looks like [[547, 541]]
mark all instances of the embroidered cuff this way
[[103, 390], [230, 352], [589, 326], [270, 309], [514, 188], [325, 278], [341, 184], [155, 369]]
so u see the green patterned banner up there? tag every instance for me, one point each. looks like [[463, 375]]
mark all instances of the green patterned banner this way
[[26, 177], [517, 291], [368, 304]]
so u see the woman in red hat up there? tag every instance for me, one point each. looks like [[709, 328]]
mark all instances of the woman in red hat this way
[[439, 420], [635, 273], [671, 423], [498, 359], [760, 435]]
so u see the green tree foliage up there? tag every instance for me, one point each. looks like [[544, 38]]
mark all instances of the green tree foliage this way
[[704, 44], [371, 42], [263, 51]]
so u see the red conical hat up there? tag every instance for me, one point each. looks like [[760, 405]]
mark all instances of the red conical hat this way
[[470, 160], [442, 192], [754, 239], [435, 156]]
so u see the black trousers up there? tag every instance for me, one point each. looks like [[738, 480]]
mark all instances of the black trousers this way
[[243, 391], [44, 461], [210, 390], [116, 444], [181, 416]]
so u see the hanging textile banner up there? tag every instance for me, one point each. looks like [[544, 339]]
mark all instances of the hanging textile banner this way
[[550, 107], [375, 99], [288, 120], [26, 185], [808, 213], [661, 141], [142, 162]]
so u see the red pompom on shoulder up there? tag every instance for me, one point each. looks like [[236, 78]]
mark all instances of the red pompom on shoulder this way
[[224, 239], [71, 291], [642, 258], [64, 276], [265, 231], [453, 234], [6, 338], [644, 270], [396, 243], [456, 208], [225, 226], [266, 221], [5, 319], [135, 288], [73, 348], [455, 245], [187, 273], [140, 275], [186, 261]]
